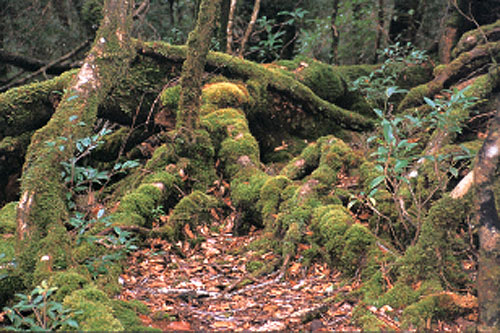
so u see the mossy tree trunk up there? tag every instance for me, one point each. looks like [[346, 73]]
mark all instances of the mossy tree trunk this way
[[192, 71], [488, 281], [42, 208]]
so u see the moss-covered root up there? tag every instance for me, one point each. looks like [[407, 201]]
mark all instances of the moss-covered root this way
[[268, 79], [29, 107], [192, 211], [237, 149], [427, 268], [323, 160], [447, 75]]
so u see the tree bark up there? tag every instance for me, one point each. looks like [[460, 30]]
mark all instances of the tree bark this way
[[192, 71], [380, 29], [335, 33], [488, 280], [42, 208], [230, 21], [253, 18]]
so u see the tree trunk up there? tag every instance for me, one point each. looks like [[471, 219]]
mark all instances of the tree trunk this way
[[380, 29], [488, 280], [42, 208], [192, 71], [253, 18], [229, 32], [335, 33]]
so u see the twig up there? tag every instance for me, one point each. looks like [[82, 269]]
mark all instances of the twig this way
[[49, 65]]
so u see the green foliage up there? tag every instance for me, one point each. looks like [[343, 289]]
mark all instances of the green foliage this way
[[381, 84], [79, 180], [37, 311], [397, 152], [270, 47]]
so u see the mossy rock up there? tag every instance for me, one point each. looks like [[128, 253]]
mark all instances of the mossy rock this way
[[357, 242], [245, 194], [66, 283], [225, 94], [93, 310], [140, 203], [234, 148], [329, 224], [8, 218]]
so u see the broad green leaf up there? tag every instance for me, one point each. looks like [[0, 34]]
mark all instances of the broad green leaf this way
[[400, 165], [375, 182], [430, 102]]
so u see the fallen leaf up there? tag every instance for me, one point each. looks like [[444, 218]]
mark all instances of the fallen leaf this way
[[178, 326]]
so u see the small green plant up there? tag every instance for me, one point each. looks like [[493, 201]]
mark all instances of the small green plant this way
[[80, 180], [37, 312], [120, 242], [375, 85], [397, 153]]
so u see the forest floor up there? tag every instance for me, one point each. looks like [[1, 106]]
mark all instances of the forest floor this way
[[208, 286]]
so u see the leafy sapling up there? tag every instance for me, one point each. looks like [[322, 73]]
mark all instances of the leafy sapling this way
[[37, 312]]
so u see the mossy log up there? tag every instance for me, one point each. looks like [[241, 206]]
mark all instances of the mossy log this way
[[445, 76]]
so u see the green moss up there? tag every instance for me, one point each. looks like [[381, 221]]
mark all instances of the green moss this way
[[233, 148], [8, 218], [253, 266], [293, 236], [12, 280], [303, 164], [141, 204], [245, 193], [429, 308], [268, 79], [367, 320], [434, 253], [170, 97], [56, 245], [66, 283], [225, 94], [92, 309], [357, 241], [28, 107], [472, 38], [329, 224], [126, 313], [194, 209], [414, 97], [270, 197]]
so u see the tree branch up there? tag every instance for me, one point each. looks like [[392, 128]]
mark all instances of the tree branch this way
[[45, 68]]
